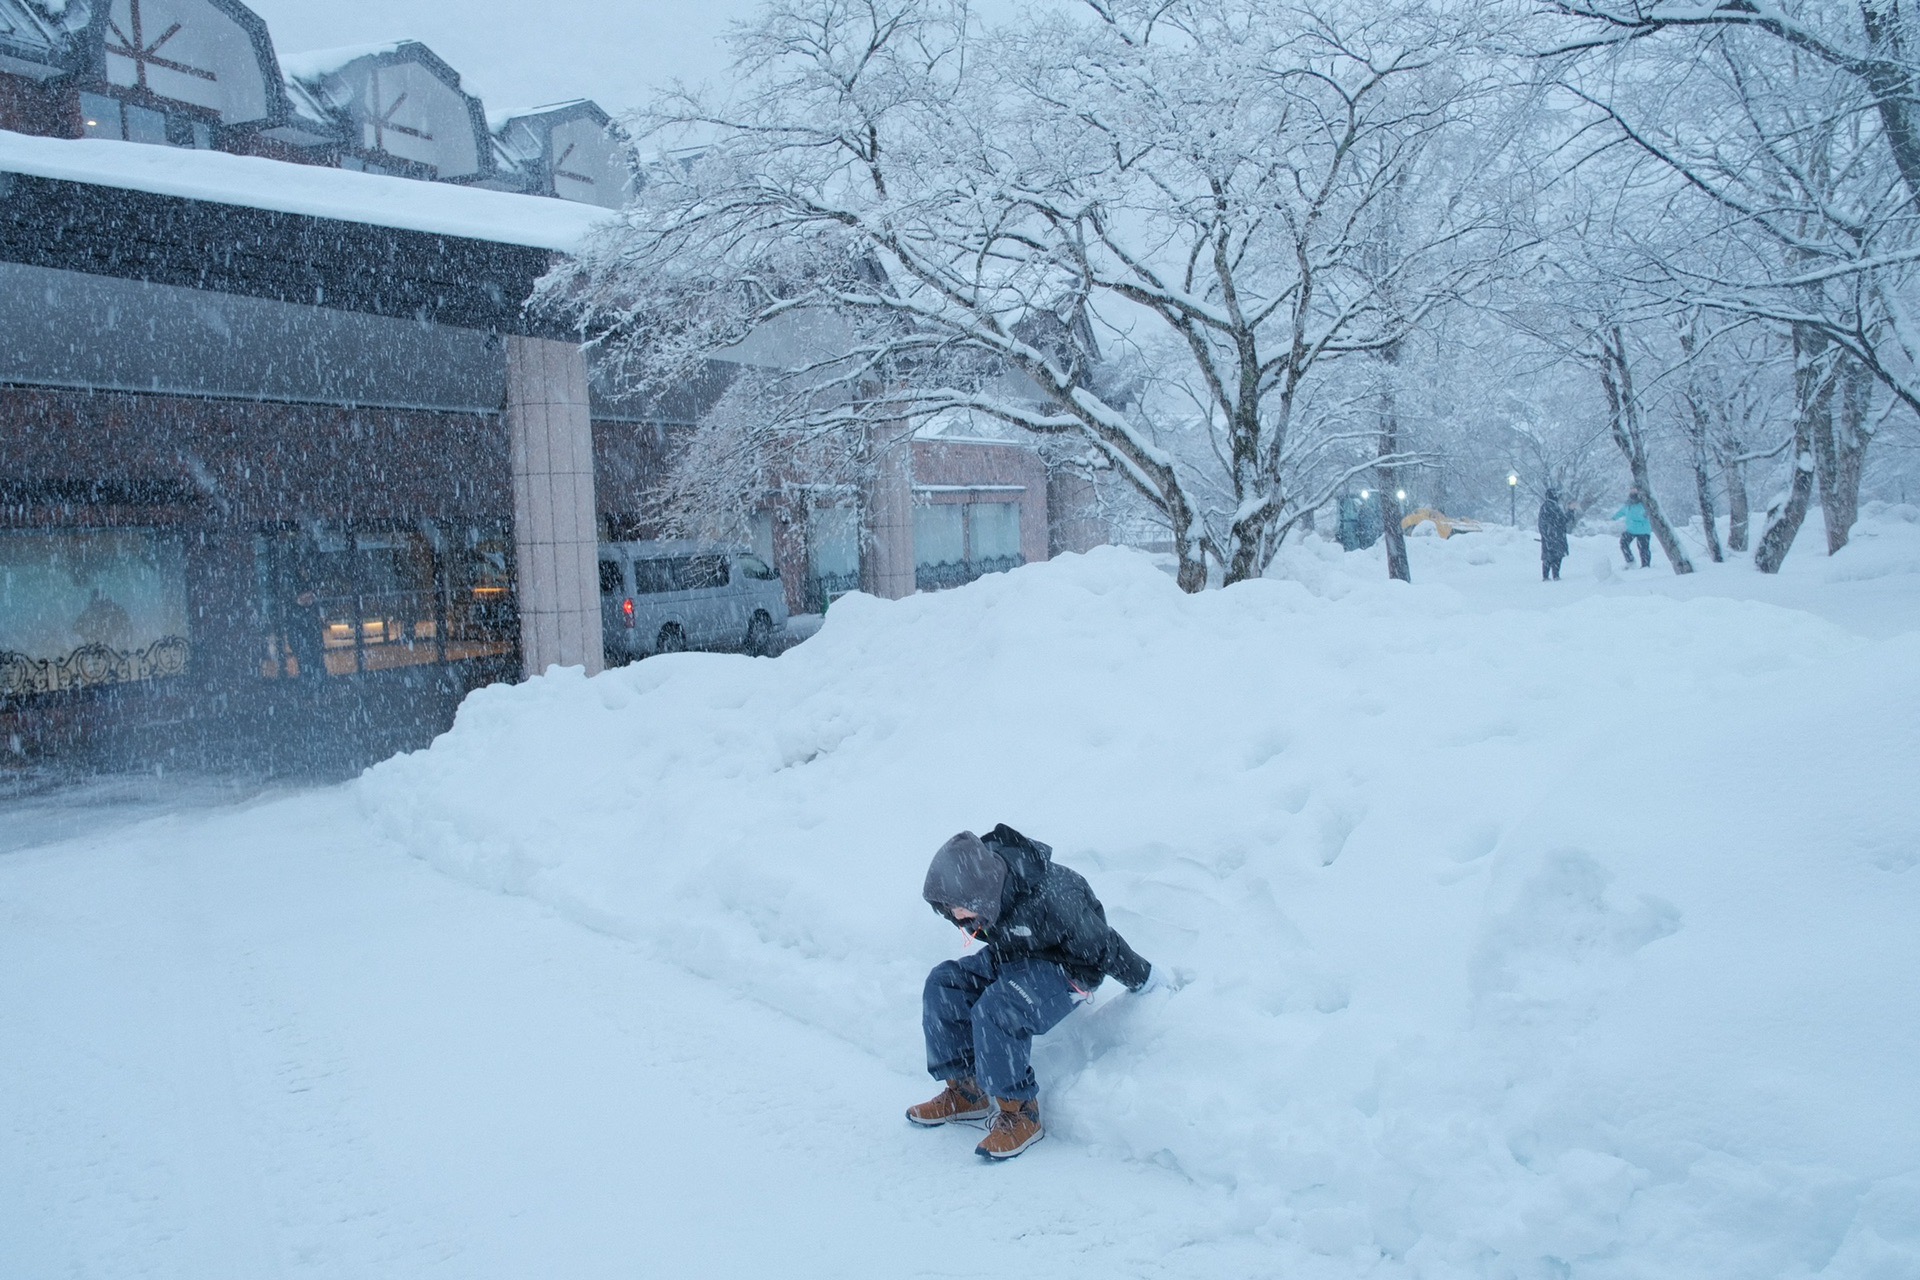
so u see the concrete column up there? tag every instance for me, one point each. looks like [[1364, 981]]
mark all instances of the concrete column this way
[[889, 568], [555, 536]]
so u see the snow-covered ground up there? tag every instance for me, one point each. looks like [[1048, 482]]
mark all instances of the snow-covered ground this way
[[1518, 929]]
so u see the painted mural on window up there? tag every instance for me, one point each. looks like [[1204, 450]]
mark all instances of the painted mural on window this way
[[88, 607]]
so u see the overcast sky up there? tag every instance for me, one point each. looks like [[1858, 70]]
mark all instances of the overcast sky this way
[[521, 55]]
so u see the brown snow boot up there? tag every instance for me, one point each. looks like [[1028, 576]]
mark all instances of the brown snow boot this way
[[1015, 1127], [960, 1100]]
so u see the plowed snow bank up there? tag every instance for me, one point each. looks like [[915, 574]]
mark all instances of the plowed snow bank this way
[[1512, 941]]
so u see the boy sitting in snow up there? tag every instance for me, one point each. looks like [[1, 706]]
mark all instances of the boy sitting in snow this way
[[1048, 946]]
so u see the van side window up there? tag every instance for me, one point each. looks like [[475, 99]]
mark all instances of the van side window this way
[[696, 573], [611, 582], [651, 577], [755, 568]]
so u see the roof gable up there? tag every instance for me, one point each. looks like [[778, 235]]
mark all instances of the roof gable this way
[[211, 54], [396, 103], [570, 150]]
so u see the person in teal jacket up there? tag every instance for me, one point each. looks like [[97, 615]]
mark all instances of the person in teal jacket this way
[[1639, 530]]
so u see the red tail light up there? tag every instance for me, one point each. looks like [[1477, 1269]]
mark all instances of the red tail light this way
[[626, 609]]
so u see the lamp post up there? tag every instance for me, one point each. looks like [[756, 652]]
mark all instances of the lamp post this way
[[1513, 497]]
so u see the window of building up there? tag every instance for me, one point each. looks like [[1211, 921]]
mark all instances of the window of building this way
[[144, 124], [102, 116], [88, 607], [956, 542], [346, 601], [993, 534], [833, 554]]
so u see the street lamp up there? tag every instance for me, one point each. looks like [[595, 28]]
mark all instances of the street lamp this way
[[1365, 494], [1402, 495], [1513, 496]]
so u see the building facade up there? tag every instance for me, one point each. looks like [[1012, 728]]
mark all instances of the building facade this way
[[286, 466]]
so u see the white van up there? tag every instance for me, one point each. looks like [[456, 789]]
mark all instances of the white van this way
[[662, 597]]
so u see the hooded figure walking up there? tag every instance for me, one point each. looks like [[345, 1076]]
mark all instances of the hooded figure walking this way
[[1555, 521], [1048, 945]]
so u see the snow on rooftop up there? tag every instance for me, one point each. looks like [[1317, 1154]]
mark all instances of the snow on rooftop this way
[[496, 120], [253, 182], [318, 63]]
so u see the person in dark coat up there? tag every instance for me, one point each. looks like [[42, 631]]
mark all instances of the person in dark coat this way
[[1555, 522], [1048, 945]]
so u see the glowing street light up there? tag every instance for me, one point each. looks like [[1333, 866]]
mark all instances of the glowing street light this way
[[1513, 495], [1402, 495], [1365, 494]]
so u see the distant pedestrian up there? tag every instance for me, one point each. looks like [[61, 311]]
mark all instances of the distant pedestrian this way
[[305, 620], [1639, 530], [1555, 522]]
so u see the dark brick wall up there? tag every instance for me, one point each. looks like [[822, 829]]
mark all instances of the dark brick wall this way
[[33, 106]]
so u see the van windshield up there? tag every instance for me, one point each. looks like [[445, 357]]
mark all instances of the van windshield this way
[[756, 568]]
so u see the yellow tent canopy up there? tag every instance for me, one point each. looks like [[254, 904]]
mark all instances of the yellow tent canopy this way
[[1443, 524]]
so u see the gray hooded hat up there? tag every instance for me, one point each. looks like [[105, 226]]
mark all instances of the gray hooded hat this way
[[966, 873]]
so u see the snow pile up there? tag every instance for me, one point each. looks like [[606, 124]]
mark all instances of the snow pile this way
[[1573, 937]]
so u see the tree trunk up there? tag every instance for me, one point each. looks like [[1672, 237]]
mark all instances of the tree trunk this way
[[1616, 377], [1738, 516], [1813, 404], [1840, 453], [1703, 485], [1889, 77], [1388, 478], [1700, 435], [1392, 534]]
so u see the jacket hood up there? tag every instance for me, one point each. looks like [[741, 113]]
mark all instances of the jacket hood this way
[[965, 873], [1026, 859], [981, 875]]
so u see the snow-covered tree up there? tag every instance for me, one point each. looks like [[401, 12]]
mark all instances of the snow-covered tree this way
[[1791, 134], [1231, 195]]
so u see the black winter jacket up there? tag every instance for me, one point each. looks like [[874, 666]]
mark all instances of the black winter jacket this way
[[1554, 524], [1048, 912]]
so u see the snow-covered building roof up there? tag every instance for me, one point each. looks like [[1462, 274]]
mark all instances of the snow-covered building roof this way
[[567, 149], [204, 75], [259, 183], [396, 107]]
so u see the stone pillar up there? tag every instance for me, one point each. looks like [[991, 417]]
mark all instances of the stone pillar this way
[[889, 567], [555, 534], [1074, 522]]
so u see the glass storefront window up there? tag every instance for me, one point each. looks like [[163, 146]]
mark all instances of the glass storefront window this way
[[339, 602], [84, 607]]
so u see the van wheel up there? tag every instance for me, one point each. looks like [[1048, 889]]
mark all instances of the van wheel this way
[[672, 639], [760, 635]]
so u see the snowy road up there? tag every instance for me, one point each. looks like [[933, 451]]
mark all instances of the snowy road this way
[[255, 1042]]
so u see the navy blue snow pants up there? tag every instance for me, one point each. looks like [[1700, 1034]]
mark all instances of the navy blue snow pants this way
[[981, 1017]]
